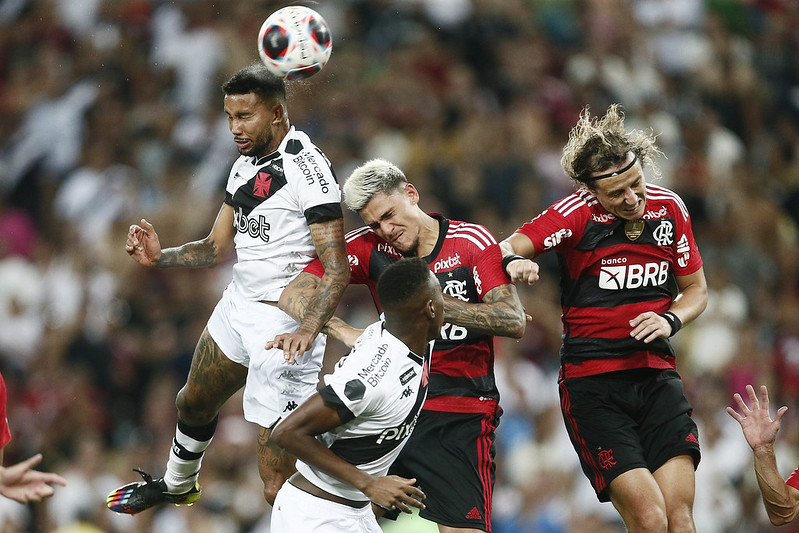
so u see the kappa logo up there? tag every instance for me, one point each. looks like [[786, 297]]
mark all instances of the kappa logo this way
[[407, 392], [290, 406], [289, 376], [616, 278], [664, 233]]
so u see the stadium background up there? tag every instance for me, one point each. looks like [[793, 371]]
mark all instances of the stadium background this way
[[111, 111]]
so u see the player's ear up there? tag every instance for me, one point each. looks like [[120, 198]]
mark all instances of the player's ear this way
[[431, 309], [278, 112], [413, 194]]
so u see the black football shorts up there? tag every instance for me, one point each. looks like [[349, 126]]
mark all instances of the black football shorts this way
[[451, 455], [627, 419]]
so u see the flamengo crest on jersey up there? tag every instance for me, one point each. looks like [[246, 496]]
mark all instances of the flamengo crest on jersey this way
[[381, 386], [274, 198]]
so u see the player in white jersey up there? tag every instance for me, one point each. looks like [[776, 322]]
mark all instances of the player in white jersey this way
[[364, 415], [282, 208]]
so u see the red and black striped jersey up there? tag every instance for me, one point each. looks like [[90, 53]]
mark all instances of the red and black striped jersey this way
[[609, 277], [468, 263]]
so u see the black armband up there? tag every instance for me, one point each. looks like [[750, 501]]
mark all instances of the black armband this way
[[673, 320], [508, 259]]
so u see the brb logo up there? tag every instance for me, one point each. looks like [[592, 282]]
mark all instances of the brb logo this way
[[615, 275], [255, 227]]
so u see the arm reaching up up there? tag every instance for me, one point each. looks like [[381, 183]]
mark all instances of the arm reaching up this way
[[781, 500]]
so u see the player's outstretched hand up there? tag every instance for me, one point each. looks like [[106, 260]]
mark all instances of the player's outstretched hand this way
[[523, 271], [394, 492], [758, 427], [23, 485], [143, 244], [292, 344]]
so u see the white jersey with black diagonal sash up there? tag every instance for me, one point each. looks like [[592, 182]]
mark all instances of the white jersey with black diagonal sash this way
[[274, 199], [378, 390]]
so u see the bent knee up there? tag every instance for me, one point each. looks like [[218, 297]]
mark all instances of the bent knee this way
[[193, 410]]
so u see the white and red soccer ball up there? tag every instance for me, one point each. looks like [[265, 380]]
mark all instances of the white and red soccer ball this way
[[295, 42]]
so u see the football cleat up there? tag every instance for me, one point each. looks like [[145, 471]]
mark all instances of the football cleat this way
[[141, 495]]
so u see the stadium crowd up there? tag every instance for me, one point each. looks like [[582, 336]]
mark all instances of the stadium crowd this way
[[111, 110]]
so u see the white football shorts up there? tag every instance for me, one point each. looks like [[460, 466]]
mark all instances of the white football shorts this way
[[241, 328], [295, 510]]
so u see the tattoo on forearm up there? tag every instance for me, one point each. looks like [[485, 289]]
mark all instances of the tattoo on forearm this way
[[329, 241], [302, 289], [269, 453], [191, 255], [497, 315]]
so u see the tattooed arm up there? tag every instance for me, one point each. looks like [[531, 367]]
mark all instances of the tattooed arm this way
[[500, 313], [144, 246], [318, 305], [296, 300]]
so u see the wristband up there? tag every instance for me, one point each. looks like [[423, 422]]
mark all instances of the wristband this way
[[673, 320], [508, 259]]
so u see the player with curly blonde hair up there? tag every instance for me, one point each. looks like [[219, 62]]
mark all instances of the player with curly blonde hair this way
[[631, 277]]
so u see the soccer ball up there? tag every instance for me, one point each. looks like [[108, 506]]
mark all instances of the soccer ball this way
[[295, 42]]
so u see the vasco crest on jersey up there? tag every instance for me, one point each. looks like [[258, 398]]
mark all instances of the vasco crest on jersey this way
[[264, 184]]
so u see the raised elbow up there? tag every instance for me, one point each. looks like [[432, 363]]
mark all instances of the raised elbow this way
[[782, 514], [518, 328]]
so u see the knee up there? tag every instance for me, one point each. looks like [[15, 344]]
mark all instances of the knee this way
[[192, 410], [682, 521], [651, 519]]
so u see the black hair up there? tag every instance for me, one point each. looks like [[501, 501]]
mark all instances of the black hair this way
[[402, 281], [257, 79]]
